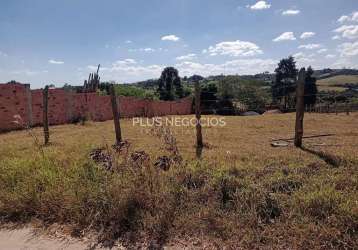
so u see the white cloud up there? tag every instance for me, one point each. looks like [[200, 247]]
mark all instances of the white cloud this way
[[286, 36], [250, 66], [187, 57], [234, 48], [348, 31], [329, 56], [161, 49], [344, 62], [260, 5], [3, 54], [147, 50], [304, 59], [126, 62], [299, 54], [55, 62], [310, 46], [290, 12], [343, 19], [128, 41], [239, 66], [336, 37], [353, 17], [172, 38], [348, 49], [28, 72], [322, 51], [129, 70], [306, 35]]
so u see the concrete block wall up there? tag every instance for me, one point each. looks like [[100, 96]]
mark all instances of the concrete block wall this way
[[64, 107]]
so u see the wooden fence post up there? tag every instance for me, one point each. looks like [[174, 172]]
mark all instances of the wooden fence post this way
[[347, 108], [45, 115], [300, 109], [335, 104], [199, 136], [116, 115]]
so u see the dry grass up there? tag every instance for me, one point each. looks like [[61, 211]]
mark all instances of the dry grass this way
[[243, 193], [334, 83], [243, 139]]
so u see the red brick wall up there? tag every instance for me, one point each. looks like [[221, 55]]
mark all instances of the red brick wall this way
[[13, 101], [64, 107]]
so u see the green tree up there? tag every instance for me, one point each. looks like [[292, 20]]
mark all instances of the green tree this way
[[310, 87], [13, 82], [227, 88], [170, 86], [254, 97], [209, 98], [286, 74]]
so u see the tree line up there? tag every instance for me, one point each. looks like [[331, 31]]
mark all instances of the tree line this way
[[223, 94]]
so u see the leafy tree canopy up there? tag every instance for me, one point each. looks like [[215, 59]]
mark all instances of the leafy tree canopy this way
[[169, 85], [310, 87]]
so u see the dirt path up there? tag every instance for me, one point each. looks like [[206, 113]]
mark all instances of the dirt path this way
[[26, 238], [29, 238]]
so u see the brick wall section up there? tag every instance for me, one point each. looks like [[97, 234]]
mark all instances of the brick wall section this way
[[64, 107], [13, 100]]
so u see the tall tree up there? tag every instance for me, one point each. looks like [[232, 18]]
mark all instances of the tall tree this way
[[208, 97], [310, 87], [286, 74], [227, 88], [170, 86]]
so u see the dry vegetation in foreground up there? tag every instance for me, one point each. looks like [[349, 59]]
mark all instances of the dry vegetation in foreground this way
[[242, 194]]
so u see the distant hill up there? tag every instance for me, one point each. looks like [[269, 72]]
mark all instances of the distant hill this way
[[328, 79], [338, 83], [326, 73]]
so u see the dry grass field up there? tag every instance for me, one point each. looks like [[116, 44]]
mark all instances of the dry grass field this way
[[243, 193], [336, 83]]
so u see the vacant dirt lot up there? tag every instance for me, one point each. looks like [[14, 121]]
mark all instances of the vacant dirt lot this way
[[243, 193], [243, 138]]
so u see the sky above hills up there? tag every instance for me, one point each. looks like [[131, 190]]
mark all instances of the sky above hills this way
[[56, 42]]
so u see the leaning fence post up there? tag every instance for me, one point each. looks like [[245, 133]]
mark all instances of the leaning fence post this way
[[116, 115], [300, 109], [199, 136], [45, 115]]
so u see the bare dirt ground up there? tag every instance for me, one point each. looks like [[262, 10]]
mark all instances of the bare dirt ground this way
[[31, 239]]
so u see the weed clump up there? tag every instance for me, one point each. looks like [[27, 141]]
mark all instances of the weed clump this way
[[285, 185], [320, 204]]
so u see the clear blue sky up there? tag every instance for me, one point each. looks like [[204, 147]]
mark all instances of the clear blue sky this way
[[47, 41]]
